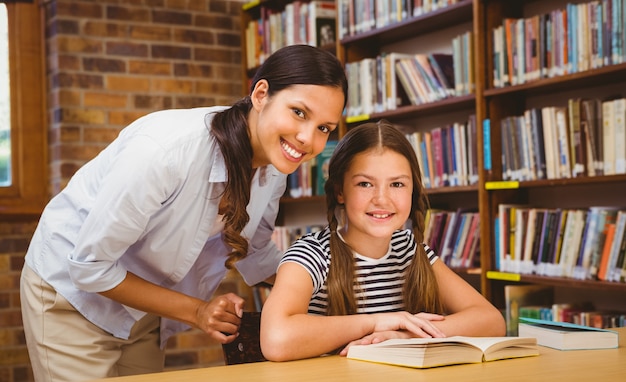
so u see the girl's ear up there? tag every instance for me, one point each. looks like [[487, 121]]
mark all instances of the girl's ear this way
[[339, 194], [260, 94]]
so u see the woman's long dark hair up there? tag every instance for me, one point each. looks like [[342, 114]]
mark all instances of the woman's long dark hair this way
[[291, 65], [420, 291]]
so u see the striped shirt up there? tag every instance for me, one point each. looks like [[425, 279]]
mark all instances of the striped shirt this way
[[378, 284]]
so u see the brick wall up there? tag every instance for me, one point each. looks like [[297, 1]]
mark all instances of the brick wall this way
[[109, 62], [112, 61]]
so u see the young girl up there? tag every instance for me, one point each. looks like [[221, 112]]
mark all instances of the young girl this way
[[365, 262], [132, 250]]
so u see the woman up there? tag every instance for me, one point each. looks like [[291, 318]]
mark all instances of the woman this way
[[131, 251], [367, 262]]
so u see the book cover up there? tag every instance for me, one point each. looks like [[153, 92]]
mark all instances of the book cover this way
[[433, 352], [518, 296], [322, 23], [322, 166], [567, 336]]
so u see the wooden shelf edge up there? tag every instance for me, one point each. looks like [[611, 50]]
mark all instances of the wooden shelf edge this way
[[556, 281], [410, 111], [583, 180], [592, 77]]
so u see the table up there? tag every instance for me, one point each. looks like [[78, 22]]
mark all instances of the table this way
[[604, 365]]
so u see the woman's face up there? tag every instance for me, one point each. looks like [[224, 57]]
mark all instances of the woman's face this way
[[293, 125]]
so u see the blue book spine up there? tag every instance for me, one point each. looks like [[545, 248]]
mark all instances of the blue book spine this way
[[487, 144]]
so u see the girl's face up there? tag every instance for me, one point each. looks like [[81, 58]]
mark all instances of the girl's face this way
[[377, 194], [293, 125]]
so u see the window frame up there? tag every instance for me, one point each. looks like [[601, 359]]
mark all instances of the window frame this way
[[28, 193]]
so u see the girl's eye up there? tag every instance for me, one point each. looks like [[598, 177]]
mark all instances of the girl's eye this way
[[397, 184], [364, 184]]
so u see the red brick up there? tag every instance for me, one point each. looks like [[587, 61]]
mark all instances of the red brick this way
[[114, 12], [146, 67], [88, 116], [69, 133], [100, 134], [171, 51], [105, 29], [126, 83], [216, 55], [84, 81], [127, 49], [171, 17], [104, 65], [217, 22], [194, 36], [105, 99], [194, 70], [168, 85], [79, 8], [152, 102], [78, 44], [150, 32]]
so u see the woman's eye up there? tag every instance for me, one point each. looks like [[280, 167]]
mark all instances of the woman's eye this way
[[324, 129], [299, 113]]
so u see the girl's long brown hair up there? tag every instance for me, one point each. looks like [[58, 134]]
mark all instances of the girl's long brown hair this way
[[292, 65], [420, 290]]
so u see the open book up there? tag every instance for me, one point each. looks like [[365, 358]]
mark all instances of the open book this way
[[567, 336], [432, 352]]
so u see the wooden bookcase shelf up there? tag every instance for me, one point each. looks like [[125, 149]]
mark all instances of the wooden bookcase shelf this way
[[590, 78], [435, 108]]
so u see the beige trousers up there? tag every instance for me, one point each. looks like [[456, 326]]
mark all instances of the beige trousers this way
[[64, 346]]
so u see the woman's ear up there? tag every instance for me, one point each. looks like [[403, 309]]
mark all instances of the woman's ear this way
[[260, 94]]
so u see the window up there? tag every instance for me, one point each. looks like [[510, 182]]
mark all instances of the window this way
[[23, 143], [5, 110]]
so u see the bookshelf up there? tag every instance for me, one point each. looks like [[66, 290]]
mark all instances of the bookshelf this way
[[491, 100], [497, 102]]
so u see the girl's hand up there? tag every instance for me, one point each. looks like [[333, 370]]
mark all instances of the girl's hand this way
[[417, 325], [375, 338], [420, 324], [220, 318]]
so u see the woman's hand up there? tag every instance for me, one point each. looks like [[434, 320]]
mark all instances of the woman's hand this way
[[220, 318]]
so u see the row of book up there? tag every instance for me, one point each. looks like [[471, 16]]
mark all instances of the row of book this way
[[423, 81], [454, 236], [585, 244], [313, 23], [359, 16], [538, 302], [579, 314], [284, 236], [394, 79], [576, 38], [310, 177], [447, 155], [585, 138]]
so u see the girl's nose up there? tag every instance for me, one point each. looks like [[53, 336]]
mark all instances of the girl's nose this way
[[380, 194]]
